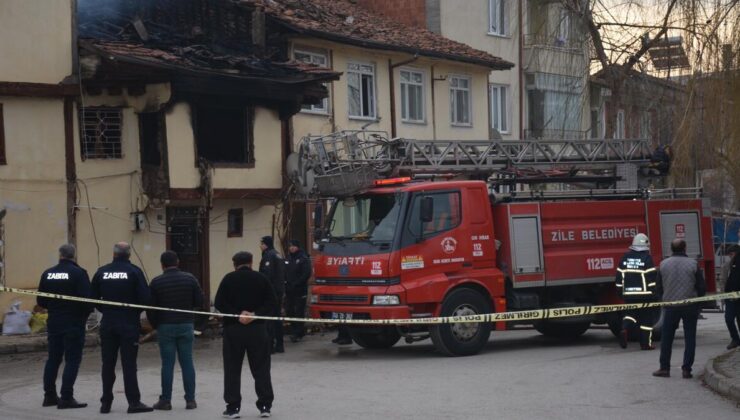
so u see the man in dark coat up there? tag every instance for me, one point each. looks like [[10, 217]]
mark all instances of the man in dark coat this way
[[65, 326], [298, 267], [272, 265]]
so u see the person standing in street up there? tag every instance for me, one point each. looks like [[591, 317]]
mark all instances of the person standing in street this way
[[732, 306], [272, 265], [246, 292], [636, 280], [296, 288], [679, 278], [175, 333], [65, 326], [120, 281]]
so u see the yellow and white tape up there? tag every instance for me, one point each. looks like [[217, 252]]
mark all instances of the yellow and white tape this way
[[527, 315]]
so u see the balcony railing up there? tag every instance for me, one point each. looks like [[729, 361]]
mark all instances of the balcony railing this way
[[554, 134], [553, 41]]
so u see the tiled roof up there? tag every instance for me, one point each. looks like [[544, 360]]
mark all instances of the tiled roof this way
[[346, 22]]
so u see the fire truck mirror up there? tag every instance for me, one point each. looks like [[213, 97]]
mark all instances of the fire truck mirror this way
[[426, 212], [318, 221]]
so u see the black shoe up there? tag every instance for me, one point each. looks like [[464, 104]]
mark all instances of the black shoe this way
[[138, 407], [50, 400], [294, 339], [662, 373], [279, 349], [105, 408], [70, 403], [191, 405], [623, 339], [162, 405], [686, 374], [231, 413], [336, 340], [733, 344], [265, 412], [342, 341]]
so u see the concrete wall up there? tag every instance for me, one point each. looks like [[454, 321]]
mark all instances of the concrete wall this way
[[37, 40], [437, 122]]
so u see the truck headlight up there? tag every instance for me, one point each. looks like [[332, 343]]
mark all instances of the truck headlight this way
[[386, 300], [313, 299]]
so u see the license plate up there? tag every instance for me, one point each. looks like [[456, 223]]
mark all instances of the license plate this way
[[341, 315]]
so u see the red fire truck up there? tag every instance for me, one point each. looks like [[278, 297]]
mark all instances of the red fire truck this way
[[401, 248]]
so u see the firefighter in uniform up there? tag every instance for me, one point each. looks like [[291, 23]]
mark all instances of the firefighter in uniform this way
[[636, 281], [120, 281]]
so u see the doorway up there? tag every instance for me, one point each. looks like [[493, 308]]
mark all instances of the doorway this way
[[187, 235]]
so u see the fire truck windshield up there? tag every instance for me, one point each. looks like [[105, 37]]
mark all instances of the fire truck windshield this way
[[372, 217]]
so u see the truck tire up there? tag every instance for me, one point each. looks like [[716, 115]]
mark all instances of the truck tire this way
[[462, 339], [562, 329], [386, 338]]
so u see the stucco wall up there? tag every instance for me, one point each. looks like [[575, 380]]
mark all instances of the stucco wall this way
[[36, 45]]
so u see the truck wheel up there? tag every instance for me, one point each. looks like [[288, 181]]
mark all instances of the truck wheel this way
[[374, 339], [462, 339], [562, 329]]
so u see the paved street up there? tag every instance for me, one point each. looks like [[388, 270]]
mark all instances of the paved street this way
[[520, 375]]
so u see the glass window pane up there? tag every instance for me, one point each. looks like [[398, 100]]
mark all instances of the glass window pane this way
[[299, 56], [417, 77], [355, 97], [453, 81], [503, 108], [419, 104], [405, 76], [494, 107], [404, 102]]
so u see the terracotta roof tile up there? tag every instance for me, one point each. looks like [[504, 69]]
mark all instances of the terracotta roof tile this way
[[344, 21]]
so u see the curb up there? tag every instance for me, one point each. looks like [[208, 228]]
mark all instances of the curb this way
[[719, 382], [39, 345]]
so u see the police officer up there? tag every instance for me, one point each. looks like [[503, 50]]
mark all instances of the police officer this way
[[272, 265], [65, 326], [120, 281], [298, 267], [636, 280]]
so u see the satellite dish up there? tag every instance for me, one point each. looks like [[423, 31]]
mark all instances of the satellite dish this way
[[292, 165]]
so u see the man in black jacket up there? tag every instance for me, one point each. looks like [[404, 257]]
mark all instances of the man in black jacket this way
[[272, 265], [178, 290], [65, 326], [298, 268], [246, 292], [120, 281], [732, 306]]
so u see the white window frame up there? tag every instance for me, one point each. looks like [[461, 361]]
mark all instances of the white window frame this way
[[453, 100], [323, 108], [619, 127], [497, 19], [564, 27], [499, 122], [374, 102], [645, 125], [404, 87]]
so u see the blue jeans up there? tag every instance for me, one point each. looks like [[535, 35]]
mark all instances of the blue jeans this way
[[176, 340], [64, 343], [732, 317], [689, 315]]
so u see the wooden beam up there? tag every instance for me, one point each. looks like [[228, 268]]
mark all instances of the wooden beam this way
[[226, 193], [38, 89], [70, 170]]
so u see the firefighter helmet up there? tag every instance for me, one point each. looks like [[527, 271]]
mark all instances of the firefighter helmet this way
[[640, 242]]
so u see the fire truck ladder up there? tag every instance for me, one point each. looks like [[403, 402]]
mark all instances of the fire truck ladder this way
[[346, 162]]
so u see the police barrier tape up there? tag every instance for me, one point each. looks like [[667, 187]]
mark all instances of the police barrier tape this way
[[529, 315]]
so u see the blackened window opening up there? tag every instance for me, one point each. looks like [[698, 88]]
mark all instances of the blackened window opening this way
[[224, 134], [3, 157], [152, 128], [102, 131], [235, 223]]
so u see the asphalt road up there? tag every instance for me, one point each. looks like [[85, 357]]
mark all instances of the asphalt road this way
[[520, 375]]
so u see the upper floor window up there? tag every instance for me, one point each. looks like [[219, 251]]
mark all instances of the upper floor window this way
[[102, 132], [412, 96], [619, 132], [224, 134], [645, 125], [497, 17], [499, 108], [460, 103], [319, 59], [235, 223], [563, 28], [361, 90]]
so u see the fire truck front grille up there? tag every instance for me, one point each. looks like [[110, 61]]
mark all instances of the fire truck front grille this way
[[358, 282], [344, 298]]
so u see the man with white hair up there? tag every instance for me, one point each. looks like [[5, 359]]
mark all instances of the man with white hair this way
[[636, 281]]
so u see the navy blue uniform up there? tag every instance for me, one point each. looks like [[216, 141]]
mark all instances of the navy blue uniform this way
[[637, 281], [298, 272], [120, 281], [273, 267], [65, 325]]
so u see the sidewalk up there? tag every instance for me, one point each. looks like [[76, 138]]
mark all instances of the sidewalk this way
[[12, 344], [722, 374]]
